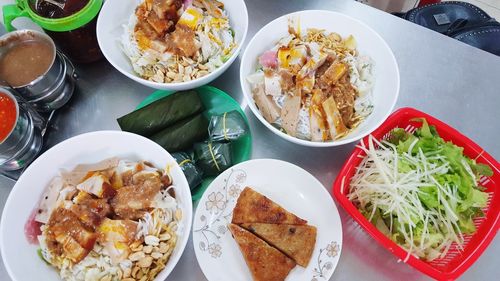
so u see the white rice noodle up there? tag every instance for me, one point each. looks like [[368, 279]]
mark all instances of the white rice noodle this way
[[362, 78]]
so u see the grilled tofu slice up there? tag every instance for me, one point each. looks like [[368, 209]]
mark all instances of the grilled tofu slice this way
[[317, 122], [334, 73], [253, 207], [334, 119], [98, 185], [265, 262], [296, 241]]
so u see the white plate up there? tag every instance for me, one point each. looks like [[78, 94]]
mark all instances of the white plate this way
[[369, 42], [20, 257], [286, 184], [110, 28]]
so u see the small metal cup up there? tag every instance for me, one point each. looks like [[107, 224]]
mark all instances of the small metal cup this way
[[55, 87], [24, 142]]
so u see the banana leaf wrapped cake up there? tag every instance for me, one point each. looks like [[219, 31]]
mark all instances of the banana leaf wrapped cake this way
[[193, 174], [228, 126], [213, 157]]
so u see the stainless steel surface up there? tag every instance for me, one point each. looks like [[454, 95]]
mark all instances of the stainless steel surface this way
[[443, 77], [24, 142]]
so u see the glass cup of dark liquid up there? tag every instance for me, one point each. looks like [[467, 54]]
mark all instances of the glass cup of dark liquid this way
[[20, 139]]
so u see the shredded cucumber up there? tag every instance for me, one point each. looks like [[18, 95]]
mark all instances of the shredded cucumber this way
[[419, 190]]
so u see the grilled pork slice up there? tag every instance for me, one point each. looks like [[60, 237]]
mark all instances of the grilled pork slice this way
[[151, 175], [184, 39], [296, 241], [89, 210], [131, 202], [253, 207], [121, 175], [68, 236], [159, 25], [266, 105], [265, 262], [166, 9]]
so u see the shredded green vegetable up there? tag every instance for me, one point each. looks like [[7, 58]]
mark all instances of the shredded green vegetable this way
[[39, 252], [420, 191]]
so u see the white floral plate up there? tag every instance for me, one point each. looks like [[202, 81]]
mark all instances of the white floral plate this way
[[288, 185]]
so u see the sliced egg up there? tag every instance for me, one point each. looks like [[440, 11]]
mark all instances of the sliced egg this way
[[283, 57], [190, 17], [218, 23], [292, 58]]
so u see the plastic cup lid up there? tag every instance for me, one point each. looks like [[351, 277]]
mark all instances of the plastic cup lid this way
[[72, 22]]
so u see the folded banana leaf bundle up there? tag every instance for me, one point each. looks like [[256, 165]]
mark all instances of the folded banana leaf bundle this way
[[193, 174], [162, 113], [228, 126], [213, 157], [183, 134]]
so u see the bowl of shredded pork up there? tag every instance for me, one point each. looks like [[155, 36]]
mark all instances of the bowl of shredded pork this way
[[172, 44], [319, 78], [92, 208]]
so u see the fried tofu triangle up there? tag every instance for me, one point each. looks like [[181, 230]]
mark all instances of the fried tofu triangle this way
[[254, 207], [296, 241], [265, 262]]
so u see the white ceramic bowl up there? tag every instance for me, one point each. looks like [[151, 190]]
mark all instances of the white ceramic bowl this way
[[20, 257], [385, 92], [116, 13]]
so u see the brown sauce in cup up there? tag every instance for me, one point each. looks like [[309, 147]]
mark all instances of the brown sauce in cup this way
[[25, 62]]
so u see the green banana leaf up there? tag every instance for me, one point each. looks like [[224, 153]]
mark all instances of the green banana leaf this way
[[162, 113], [182, 135]]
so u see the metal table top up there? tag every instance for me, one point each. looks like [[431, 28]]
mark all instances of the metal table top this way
[[443, 77]]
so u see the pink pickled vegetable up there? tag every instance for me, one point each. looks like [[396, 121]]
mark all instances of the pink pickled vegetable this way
[[32, 228], [269, 59], [187, 3]]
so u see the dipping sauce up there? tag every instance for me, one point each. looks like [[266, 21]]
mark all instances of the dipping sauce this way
[[25, 62], [8, 116], [54, 9]]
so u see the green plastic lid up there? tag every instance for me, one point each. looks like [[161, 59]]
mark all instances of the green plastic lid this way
[[79, 19]]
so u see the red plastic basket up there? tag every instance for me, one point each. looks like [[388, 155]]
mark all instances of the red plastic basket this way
[[455, 262]]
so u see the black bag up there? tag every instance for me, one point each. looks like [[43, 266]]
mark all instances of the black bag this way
[[460, 20]]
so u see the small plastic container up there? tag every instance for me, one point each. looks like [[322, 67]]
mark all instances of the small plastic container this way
[[455, 262], [72, 25]]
